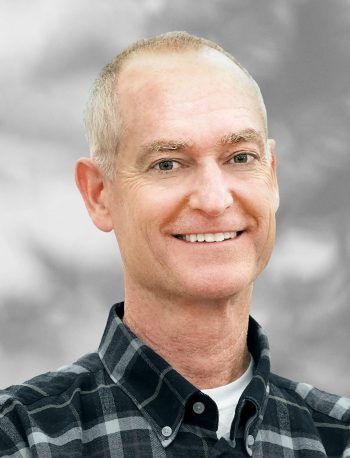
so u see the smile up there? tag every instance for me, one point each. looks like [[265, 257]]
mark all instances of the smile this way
[[210, 237]]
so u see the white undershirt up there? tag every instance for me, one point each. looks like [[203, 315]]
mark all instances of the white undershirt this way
[[226, 398]]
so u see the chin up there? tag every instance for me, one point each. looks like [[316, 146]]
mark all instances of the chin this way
[[213, 287]]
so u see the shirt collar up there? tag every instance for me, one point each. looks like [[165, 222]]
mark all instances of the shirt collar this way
[[161, 393]]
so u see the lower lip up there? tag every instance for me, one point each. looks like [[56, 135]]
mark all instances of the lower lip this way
[[210, 243]]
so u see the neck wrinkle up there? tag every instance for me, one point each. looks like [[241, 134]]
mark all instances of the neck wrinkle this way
[[205, 342]]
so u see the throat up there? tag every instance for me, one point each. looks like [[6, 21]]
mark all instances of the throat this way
[[206, 344]]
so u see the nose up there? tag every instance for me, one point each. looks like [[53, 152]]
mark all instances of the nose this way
[[210, 192]]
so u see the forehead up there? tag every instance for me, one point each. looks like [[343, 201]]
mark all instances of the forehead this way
[[164, 66], [170, 89]]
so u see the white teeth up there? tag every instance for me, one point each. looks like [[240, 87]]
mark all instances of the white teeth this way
[[209, 237], [217, 237]]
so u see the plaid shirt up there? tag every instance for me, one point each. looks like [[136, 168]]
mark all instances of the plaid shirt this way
[[125, 401]]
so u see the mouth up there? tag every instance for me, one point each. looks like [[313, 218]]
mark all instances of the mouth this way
[[209, 237]]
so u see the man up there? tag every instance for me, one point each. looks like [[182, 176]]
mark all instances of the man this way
[[184, 174]]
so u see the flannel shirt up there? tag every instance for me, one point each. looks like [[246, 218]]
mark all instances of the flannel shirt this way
[[125, 401]]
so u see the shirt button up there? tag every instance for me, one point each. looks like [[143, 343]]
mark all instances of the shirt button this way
[[167, 431], [198, 407], [250, 440]]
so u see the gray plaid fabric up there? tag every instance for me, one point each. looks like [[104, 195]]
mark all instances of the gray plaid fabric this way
[[125, 401]]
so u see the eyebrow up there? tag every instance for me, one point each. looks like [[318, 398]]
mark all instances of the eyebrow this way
[[165, 145], [245, 135]]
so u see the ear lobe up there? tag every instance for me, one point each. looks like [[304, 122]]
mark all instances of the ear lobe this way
[[273, 162], [91, 184]]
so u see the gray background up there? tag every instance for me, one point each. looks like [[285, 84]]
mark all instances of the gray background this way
[[59, 275]]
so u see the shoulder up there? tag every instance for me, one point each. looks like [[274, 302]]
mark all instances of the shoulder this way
[[24, 404], [320, 403], [305, 417], [51, 384], [45, 405], [313, 413]]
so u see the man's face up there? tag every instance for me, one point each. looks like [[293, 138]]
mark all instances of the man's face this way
[[192, 161]]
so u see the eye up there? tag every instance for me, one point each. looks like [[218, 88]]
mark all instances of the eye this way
[[242, 158], [166, 165]]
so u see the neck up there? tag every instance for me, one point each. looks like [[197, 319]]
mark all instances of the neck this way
[[205, 341]]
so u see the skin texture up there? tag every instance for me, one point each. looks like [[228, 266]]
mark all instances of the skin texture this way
[[189, 301]]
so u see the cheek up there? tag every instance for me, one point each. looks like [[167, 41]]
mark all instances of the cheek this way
[[257, 198], [139, 218], [159, 204]]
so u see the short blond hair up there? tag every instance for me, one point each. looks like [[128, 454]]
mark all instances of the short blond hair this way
[[102, 119]]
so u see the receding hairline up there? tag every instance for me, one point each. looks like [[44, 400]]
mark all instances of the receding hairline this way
[[169, 43], [159, 60], [132, 57]]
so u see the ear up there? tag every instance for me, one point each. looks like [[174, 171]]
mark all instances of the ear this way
[[273, 164], [91, 183]]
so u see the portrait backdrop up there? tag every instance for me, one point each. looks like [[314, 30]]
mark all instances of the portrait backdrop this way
[[59, 275]]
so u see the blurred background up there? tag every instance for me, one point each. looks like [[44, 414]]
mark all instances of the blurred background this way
[[59, 275]]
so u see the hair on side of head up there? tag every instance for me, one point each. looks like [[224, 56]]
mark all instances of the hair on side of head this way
[[102, 120]]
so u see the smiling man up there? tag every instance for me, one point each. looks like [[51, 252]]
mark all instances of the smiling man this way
[[183, 172]]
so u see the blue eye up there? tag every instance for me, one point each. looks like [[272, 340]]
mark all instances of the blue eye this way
[[167, 165]]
